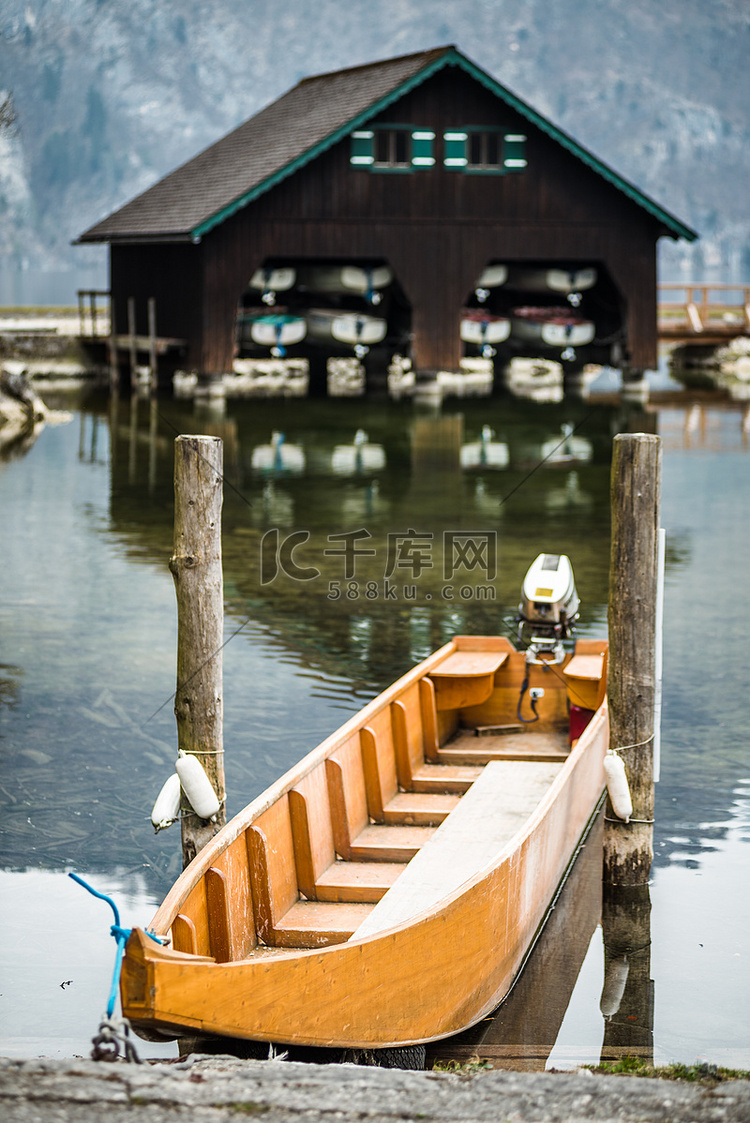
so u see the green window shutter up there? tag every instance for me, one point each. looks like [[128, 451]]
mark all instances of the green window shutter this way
[[514, 152], [454, 150], [422, 143], [362, 152]]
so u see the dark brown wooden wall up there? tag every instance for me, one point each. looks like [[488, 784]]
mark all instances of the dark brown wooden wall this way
[[172, 273], [436, 227]]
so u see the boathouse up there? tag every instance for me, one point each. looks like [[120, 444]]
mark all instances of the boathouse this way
[[413, 205]]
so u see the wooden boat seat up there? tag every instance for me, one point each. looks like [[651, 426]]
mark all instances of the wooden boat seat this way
[[419, 764], [496, 807], [320, 875], [586, 676], [444, 777], [466, 678], [466, 748], [282, 919], [384, 774], [355, 837]]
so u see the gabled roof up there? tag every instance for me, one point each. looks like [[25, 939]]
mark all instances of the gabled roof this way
[[314, 115]]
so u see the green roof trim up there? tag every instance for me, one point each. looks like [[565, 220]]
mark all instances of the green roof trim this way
[[317, 149], [588, 158], [451, 57]]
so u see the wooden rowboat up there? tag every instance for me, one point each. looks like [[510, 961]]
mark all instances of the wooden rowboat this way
[[386, 890]]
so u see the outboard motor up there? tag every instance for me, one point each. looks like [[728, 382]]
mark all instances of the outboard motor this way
[[546, 616], [548, 609]]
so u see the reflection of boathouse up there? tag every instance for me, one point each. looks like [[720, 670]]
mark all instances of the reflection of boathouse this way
[[414, 206]]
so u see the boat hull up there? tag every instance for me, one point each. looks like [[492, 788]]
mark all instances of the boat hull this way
[[552, 280], [345, 279], [279, 279], [479, 330], [344, 329], [276, 331], [555, 333]]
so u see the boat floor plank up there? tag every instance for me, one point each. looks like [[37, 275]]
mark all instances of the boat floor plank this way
[[419, 808], [389, 844], [466, 748], [444, 777], [357, 881], [497, 806]]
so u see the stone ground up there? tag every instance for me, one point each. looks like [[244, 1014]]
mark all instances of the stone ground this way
[[207, 1089]]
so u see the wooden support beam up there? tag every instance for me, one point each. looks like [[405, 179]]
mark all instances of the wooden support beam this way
[[152, 343], [197, 572], [219, 921], [133, 347], [635, 500], [114, 371], [183, 935]]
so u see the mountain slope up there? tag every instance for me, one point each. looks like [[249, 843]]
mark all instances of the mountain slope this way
[[109, 97]]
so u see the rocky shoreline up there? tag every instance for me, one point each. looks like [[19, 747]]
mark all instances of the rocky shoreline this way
[[202, 1089]]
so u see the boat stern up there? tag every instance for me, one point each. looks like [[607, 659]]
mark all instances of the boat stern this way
[[138, 984], [136, 978]]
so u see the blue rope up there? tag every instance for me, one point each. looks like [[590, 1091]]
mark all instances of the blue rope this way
[[120, 934]]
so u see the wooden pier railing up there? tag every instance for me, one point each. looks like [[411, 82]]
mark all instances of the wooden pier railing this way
[[96, 326], [703, 313], [93, 313]]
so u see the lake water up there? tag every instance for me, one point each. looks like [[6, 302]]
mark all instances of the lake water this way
[[88, 643]]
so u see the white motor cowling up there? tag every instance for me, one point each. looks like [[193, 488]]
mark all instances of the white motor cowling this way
[[549, 605]]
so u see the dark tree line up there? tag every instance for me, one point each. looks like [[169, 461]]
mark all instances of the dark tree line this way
[[8, 116]]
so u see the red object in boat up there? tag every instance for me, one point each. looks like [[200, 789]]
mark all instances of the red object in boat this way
[[579, 719], [548, 315]]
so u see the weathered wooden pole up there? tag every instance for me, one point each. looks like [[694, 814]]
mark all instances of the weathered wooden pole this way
[[197, 571], [152, 344], [628, 997], [132, 342], [633, 579], [114, 371], [627, 1001]]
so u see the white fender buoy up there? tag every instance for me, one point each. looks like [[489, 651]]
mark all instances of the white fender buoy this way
[[167, 806], [615, 978], [197, 786], [617, 786]]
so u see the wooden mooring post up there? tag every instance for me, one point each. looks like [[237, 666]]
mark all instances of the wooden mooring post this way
[[628, 995], [631, 690], [197, 570]]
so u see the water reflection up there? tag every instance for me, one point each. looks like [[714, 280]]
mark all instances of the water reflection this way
[[62, 958], [88, 620], [521, 1034], [312, 471]]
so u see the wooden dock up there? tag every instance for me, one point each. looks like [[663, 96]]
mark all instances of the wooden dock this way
[[96, 328], [703, 314]]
